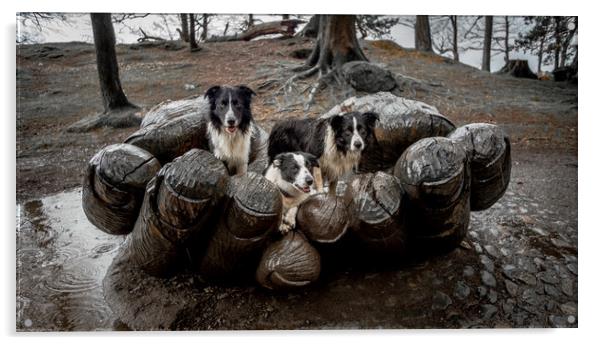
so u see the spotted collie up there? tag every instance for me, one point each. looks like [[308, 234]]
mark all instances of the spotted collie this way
[[337, 141], [293, 174], [231, 126]]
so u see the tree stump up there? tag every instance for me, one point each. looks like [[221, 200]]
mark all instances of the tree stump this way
[[434, 173], [402, 123], [290, 262], [179, 204], [518, 69], [488, 150], [169, 110], [114, 184]]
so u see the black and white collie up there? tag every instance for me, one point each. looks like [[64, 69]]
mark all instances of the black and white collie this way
[[230, 125], [293, 174], [338, 141]]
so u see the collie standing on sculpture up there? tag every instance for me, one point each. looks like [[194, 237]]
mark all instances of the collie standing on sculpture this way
[[231, 126], [337, 141]]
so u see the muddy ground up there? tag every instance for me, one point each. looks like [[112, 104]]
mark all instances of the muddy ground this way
[[517, 268]]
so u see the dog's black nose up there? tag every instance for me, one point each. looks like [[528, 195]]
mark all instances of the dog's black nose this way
[[309, 181], [357, 144], [230, 122]]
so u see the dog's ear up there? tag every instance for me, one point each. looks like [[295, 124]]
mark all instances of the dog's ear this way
[[212, 92], [370, 118], [277, 160], [313, 161], [246, 92], [336, 121]]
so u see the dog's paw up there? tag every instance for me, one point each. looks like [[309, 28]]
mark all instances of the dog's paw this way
[[284, 228]]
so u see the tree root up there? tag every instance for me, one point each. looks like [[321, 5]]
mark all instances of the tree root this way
[[119, 118]]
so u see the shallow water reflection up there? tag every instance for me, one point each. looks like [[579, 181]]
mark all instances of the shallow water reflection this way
[[61, 261]]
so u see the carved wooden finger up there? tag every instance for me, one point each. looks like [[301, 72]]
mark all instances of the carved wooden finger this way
[[402, 123], [180, 204], [323, 218], [488, 149], [378, 207], [114, 184], [434, 174], [172, 138], [169, 110], [290, 262], [251, 213]]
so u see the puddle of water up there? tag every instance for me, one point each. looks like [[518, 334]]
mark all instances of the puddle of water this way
[[61, 261]]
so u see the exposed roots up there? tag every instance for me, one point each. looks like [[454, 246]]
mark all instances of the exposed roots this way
[[119, 118]]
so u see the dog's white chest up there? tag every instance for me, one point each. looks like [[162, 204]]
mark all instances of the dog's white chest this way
[[334, 163], [233, 149]]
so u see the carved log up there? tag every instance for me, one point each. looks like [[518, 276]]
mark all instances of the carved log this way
[[402, 123], [290, 262], [435, 175], [169, 110], [179, 204], [114, 184], [171, 138], [378, 205], [282, 27], [488, 149], [252, 212], [324, 218]]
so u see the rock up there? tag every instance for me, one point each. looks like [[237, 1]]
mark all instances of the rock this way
[[540, 231], [548, 277], [493, 251], [566, 285], [441, 301], [508, 306], [550, 290], [572, 267], [560, 243], [492, 296], [468, 271], [189, 87], [482, 290], [571, 319], [526, 264], [551, 305], [368, 77], [488, 279], [511, 287], [488, 310], [486, 261], [557, 321], [462, 290], [531, 297], [569, 308]]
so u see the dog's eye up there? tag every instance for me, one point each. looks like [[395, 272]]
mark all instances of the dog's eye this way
[[224, 103], [235, 103]]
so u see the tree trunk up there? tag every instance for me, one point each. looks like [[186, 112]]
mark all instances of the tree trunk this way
[[311, 29], [193, 45], [106, 62], [454, 21], [250, 22], [506, 44], [567, 43], [422, 34], [184, 35], [336, 45], [557, 43], [540, 55], [486, 66], [286, 16], [205, 27], [283, 27]]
